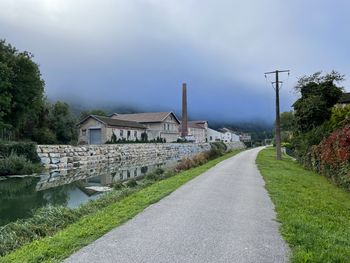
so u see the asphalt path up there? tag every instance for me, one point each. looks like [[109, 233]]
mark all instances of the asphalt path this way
[[223, 215]]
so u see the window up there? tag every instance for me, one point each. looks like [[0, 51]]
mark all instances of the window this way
[[129, 133], [135, 134], [168, 126], [164, 126], [83, 132], [211, 138], [121, 133]]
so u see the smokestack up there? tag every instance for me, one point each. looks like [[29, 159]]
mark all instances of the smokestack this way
[[184, 124]]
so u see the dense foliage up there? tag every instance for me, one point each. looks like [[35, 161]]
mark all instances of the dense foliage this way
[[25, 114], [321, 137], [56, 125], [21, 92], [25, 149], [17, 165], [318, 95]]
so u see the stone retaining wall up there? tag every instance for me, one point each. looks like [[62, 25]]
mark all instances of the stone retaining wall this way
[[56, 157]]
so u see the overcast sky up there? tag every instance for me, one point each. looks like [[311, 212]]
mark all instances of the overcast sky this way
[[138, 52]]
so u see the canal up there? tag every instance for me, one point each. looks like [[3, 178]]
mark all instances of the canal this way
[[20, 196]]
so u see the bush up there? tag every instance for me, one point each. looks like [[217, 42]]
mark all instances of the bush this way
[[131, 183], [217, 149], [332, 157], [159, 171], [44, 136], [118, 185], [185, 164], [200, 158], [152, 176], [16, 165], [25, 149]]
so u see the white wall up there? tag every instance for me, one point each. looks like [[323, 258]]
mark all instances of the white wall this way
[[214, 135]]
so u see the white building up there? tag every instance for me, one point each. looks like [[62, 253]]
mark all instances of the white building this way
[[214, 136], [229, 135]]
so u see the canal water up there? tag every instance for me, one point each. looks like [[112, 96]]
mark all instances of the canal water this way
[[19, 196]]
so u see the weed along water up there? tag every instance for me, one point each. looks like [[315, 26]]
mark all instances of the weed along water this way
[[21, 195]]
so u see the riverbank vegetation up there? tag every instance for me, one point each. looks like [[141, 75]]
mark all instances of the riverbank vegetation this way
[[53, 233], [314, 214], [18, 158]]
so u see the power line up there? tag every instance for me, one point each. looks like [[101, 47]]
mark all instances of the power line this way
[[278, 121]]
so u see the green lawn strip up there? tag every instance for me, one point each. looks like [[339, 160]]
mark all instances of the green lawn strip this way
[[91, 227], [314, 214]]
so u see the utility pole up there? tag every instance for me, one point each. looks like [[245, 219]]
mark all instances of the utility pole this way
[[278, 121]]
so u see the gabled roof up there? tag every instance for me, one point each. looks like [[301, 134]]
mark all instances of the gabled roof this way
[[115, 122], [345, 98], [145, 117]]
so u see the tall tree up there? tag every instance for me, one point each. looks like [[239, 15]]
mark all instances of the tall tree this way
[[22, 90], [319, 93]]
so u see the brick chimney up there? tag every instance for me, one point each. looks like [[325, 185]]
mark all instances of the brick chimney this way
[[184, 123]]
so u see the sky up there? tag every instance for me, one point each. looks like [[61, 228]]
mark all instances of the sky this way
[[137, 53]]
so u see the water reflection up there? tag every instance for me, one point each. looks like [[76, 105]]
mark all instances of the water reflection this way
[[19, 196]]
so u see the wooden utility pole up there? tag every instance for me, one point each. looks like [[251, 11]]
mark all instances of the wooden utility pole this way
[[278, 121]]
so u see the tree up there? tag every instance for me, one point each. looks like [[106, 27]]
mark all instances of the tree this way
[[287, 125], [318, 95], [21, 90], [86, 113], [62, 123], [56, 124], [287, 121]]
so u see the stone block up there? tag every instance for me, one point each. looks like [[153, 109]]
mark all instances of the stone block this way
[[45, 160], [55, 160], [54, 155]]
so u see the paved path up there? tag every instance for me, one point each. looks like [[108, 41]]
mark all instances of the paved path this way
[[224, 215]]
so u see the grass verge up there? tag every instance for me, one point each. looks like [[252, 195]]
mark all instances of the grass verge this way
[[65, 242], [314, 214]]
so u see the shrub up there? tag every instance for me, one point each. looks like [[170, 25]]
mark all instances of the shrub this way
[[118, 185], [159, 171], [25, 149], [217, 149], [131, 183], [15, 165], [185, 164], [332, 157], [200, 158], [152, 176]]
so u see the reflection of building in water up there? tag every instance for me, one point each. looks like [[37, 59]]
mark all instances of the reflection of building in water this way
[[99, 175]]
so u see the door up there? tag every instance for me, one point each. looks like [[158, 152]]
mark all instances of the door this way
[[95, 136]]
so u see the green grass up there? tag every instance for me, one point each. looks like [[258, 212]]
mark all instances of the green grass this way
[[90, 227], [314, 214]]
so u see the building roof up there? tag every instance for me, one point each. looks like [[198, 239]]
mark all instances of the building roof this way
[[345, 98], [197, 124], [145, 117], [115, 122]]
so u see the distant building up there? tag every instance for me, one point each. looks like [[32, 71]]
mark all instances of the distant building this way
[[99, 129], [198, 130], [229, 135], [159, 124], [214, 136]]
